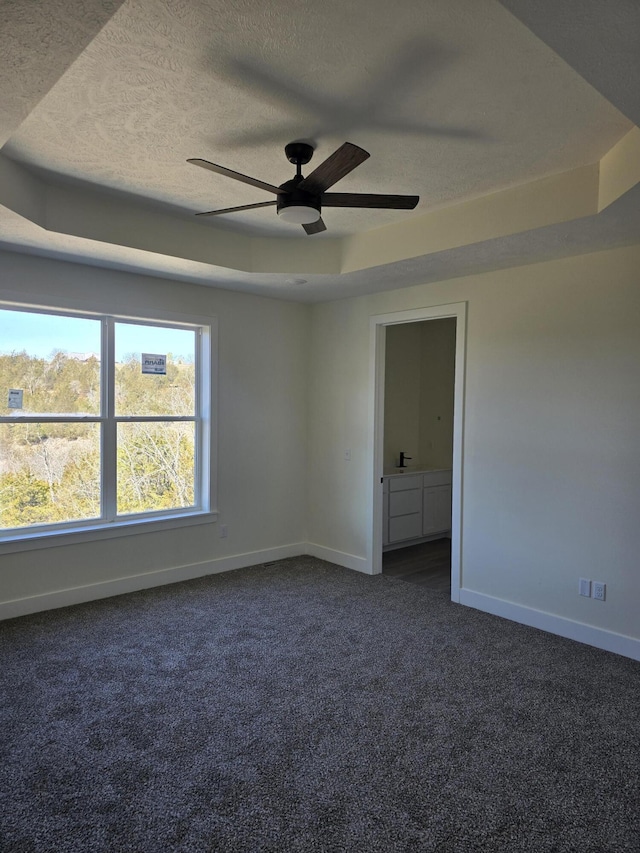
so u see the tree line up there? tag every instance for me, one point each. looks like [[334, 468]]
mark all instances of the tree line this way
[[50, 472]]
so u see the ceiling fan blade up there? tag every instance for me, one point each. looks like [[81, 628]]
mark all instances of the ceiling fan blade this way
[[222, 170], [315, 227], [235, 209], [393, 202], [335, 167]]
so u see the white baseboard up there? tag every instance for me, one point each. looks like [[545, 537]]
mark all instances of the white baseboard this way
[[340, 558], [107, 589], [589, 634], [407, 543], [592, 636]]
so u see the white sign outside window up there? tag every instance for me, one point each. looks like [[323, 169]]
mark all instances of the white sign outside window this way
[[15, 398], [153, 363]]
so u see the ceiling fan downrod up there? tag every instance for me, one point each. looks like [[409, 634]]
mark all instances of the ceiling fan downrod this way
[[297, 206], [298, 153]]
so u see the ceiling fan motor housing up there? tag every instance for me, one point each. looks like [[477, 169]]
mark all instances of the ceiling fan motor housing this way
[[296, 205]]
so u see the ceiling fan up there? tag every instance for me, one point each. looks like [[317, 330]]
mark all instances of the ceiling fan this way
[[301, 199]]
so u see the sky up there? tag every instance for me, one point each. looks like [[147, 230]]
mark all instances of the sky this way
[[40, 334]]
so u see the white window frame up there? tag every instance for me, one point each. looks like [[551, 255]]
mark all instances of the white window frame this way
[[110, 524]]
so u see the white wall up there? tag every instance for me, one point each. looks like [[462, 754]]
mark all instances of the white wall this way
[[262, 435], [551, 480], [551, 484], [402, 393], [418, 393], [438, 360]]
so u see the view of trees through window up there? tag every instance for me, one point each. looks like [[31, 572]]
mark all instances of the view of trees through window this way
[[54, 462]]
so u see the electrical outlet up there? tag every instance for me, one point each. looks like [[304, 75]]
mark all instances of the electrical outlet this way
[[584, 587], [599, 590], [347, 456], [224, 531]]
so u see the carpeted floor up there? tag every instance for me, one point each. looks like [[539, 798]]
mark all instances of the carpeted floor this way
[[303, 707]]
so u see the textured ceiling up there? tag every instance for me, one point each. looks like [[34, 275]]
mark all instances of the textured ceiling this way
[[454, 99]]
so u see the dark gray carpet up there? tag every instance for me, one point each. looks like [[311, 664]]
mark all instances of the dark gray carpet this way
[[302, 707]]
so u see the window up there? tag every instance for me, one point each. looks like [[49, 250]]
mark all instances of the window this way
[[104, 421]]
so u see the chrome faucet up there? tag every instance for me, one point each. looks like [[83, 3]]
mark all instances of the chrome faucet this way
[[403, 458]]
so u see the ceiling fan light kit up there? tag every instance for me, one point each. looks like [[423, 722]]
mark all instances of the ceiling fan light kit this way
[[300, 200], [298, 211], [298, 214]]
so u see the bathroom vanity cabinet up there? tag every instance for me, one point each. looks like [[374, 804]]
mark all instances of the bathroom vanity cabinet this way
[[416, 506]]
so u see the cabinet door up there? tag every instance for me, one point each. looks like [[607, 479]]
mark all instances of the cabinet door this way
[[436, 510]]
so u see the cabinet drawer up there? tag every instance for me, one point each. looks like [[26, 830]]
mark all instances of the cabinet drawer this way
[[405, 503], [437, 478], [405, 527], [400, 484]]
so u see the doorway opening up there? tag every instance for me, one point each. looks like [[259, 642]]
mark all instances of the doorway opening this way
[[418, 374]]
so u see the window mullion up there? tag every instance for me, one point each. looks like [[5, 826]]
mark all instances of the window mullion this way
[[109, 438]]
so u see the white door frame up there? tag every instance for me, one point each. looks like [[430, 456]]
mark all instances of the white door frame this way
[[378, 324]]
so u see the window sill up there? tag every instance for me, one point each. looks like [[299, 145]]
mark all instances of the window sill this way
[[24, 541]]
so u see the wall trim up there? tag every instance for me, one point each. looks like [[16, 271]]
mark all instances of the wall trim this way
[[148, 580], [407, 543], [590, 635], [375, 440], [340, 558], [600, 638]]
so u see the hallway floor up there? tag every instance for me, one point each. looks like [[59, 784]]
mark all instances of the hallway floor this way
[[427, 564]]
